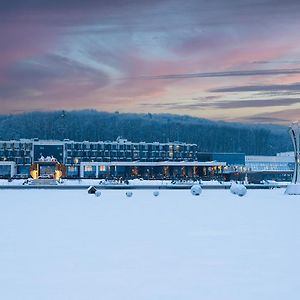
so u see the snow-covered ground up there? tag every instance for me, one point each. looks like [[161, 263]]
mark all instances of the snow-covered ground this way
[[68, 245]]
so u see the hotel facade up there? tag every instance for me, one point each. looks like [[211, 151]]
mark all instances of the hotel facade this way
[[122, 159], [104, 159]]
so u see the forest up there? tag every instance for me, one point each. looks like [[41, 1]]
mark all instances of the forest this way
[[91, 125]]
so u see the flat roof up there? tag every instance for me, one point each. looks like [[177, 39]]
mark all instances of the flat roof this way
[[157, 164], [45, 142]]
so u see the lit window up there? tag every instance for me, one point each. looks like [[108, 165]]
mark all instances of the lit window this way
[[88, 168], [102, 168]]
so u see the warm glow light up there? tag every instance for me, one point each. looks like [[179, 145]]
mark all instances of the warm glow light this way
[[34, 174], [58, 174]]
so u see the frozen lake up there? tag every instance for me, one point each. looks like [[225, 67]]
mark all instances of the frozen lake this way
[[68, 245]]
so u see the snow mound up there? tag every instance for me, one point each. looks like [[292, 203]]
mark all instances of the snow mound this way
[[129, 194], [196, 190], [98, 193], [238, 189], [234, 188], [293, 189]]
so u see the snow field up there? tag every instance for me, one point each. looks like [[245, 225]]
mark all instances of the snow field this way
[[60, 244]]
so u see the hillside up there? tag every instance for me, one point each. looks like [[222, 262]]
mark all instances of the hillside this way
[[95, 126]]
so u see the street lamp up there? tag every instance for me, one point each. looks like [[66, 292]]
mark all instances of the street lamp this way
[[294, 187]]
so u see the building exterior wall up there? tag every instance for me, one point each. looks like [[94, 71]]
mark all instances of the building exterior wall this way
[[270, 163], [263, 168], [45, 149], [151, 170], [18, 151], [123, 150], [25, 152], [7, 169], [232, 159]]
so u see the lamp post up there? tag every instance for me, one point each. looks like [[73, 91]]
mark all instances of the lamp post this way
[[294, 187], [294, 131]]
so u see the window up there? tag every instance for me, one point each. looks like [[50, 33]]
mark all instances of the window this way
[[88, 168], [102, 168]]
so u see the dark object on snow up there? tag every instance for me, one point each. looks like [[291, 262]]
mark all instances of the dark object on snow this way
[[92, 190]]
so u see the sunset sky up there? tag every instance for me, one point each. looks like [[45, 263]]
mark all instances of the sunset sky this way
[[230, 60]]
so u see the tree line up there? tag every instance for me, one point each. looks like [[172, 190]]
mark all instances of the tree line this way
[[91, 125]]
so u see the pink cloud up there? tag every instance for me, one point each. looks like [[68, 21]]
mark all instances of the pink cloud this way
[[24, 41], [105, 46]]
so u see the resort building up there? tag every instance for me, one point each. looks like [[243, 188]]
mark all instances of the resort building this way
[[125, 160], [104, 159]]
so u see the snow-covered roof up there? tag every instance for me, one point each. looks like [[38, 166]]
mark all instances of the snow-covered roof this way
[[159, 163]]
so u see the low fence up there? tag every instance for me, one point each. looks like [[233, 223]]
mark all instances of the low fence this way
[[138, 187]]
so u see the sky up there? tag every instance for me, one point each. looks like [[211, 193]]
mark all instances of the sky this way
[[232, 60]]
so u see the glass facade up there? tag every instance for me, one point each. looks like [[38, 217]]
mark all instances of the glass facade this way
[[270, 166], [89, 171], [128, 151], [23, 169], [17, 151], [270, 163], [5, 171], [57, 151], [73, 171]]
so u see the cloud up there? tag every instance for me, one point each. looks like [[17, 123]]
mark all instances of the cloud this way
[[74, 52], [259, 88], [33, 5], [285, 116], [258, 103], [261, 119], [239, 73], [228, 104], [52, 77]]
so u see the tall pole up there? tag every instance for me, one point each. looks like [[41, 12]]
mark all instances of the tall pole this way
[[294, 131]]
